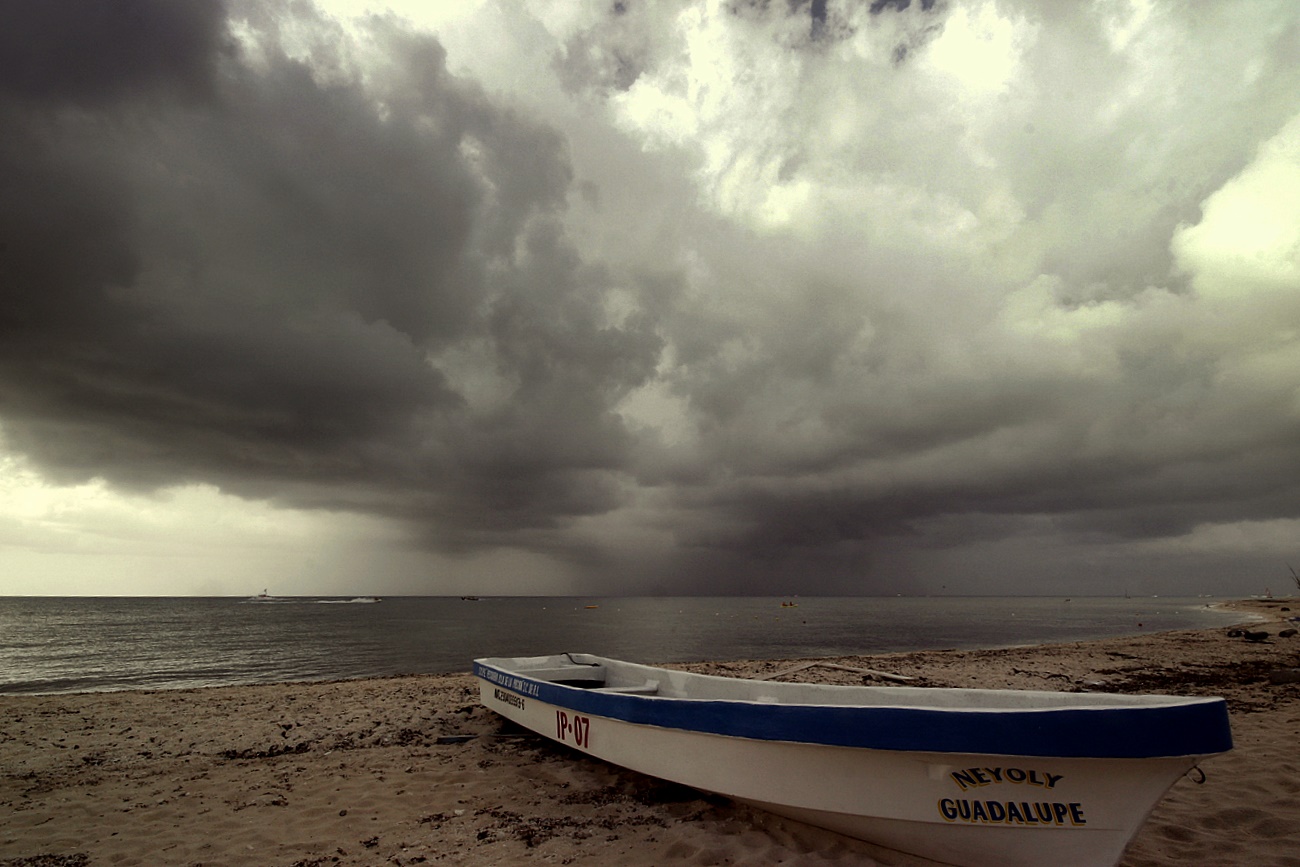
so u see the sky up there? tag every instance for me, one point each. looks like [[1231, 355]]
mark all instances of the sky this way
[[626, 298]]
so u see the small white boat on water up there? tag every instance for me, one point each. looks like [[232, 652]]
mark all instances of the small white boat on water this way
[[964, 776]]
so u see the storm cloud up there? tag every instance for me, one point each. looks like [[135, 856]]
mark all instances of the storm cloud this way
[[694, 298]]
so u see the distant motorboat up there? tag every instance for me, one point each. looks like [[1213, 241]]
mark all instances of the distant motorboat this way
[[984, 778]]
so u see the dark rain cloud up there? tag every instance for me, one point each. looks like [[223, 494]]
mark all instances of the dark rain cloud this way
[[227, 264]]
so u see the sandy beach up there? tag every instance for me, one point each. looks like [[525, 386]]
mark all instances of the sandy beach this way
[[411, 770]]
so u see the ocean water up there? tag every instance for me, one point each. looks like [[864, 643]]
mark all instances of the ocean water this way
[[52, 645]]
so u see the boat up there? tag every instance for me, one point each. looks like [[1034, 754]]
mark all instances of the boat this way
[[972, 777]]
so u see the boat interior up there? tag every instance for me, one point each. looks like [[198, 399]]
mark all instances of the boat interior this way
[[589, 674]]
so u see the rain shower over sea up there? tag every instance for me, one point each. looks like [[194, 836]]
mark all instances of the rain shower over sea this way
[[89, 644]]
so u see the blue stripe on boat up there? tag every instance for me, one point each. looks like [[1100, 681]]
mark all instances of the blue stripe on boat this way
[[1128, 732]]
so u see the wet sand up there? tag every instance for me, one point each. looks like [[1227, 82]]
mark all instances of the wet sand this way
[[411, 770]]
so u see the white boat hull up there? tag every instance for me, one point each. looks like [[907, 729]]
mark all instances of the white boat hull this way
[[969, 808]]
